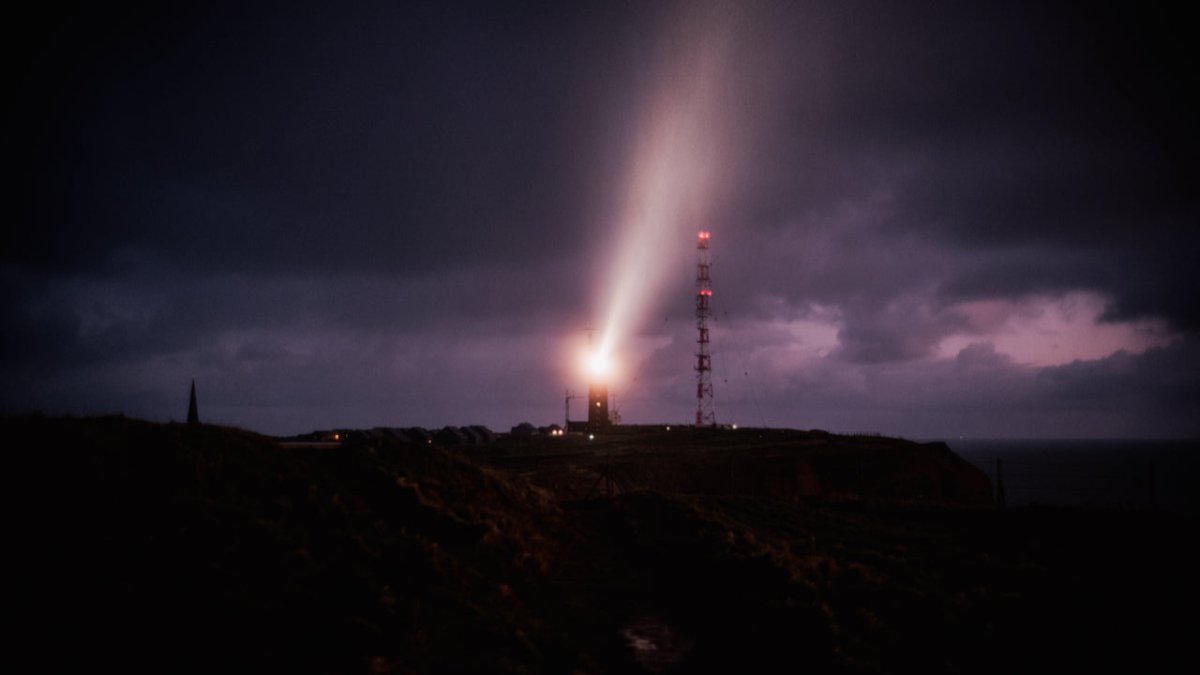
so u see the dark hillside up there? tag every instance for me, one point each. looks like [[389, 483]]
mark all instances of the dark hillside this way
[[145, 547], [197, 548], [779, 463]]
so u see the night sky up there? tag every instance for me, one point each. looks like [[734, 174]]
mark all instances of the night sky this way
[[929, 219]]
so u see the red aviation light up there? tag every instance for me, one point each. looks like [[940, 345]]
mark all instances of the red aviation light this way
[[705, 235], [706, 292]]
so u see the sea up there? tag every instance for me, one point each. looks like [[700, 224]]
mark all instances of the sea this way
[[1137, 474]]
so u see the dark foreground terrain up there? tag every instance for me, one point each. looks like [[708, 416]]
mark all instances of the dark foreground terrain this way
[[165, 548]]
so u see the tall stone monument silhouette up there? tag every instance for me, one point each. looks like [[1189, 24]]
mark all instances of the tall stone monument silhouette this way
[[193, 415]]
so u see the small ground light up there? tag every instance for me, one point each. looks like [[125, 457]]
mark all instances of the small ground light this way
[[591, 437]]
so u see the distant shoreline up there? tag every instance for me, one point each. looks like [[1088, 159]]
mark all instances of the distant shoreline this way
[[1140, 474]]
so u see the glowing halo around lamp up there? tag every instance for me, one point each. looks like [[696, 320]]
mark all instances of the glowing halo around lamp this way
[[598, 365]]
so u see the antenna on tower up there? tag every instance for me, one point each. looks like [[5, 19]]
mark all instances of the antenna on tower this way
[[704, 387]]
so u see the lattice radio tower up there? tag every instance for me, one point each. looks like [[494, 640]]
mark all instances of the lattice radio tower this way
[[704, 387]]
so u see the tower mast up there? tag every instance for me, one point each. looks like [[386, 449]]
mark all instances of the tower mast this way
[[704, 387]]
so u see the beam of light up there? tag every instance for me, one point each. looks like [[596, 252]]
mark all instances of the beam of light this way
[[672, 172]]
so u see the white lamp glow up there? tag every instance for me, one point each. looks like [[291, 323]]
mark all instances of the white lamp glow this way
[[598, 365]]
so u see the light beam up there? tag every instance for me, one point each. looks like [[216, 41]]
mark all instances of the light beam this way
[[672, 172]]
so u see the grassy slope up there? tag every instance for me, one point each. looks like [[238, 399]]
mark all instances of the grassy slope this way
[[163, 547], [758, 462]]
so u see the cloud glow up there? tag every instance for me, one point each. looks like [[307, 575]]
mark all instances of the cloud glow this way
[[1050, 331]]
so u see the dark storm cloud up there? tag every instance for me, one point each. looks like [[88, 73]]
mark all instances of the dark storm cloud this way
[[1060, 132], [399, 214], [214, 137]]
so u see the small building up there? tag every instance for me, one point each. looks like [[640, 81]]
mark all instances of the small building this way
[[523, 430], [449, 436], [483, 435]]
